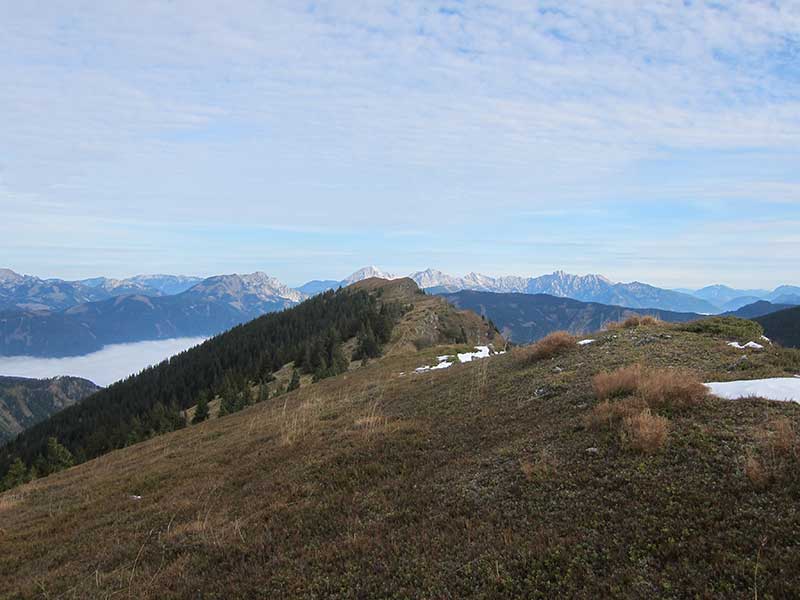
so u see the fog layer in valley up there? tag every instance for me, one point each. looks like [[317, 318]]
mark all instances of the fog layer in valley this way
[[104, 367]]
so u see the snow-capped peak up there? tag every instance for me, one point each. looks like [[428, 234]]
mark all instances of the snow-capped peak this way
[[366, 273], [9, 276]]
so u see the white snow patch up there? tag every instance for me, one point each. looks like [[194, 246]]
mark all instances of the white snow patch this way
[[447, 360], [766, 339], [586, 342], [783, 389], [480, 352], [754, 345]]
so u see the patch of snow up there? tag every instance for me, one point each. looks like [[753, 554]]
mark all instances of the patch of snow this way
[[766, 339], [480, 352], [783, 389], [446, 361], [753, 345], [135, 497], [586, 342]]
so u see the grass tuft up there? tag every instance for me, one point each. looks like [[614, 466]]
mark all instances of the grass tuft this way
[[634, 321], [550, 346], [645, 431], [658, 388]]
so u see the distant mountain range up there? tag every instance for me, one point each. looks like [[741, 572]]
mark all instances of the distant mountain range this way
[[57, 318], [25, 402], [730, 299], [524, 318], [210, 307], [26, 292]]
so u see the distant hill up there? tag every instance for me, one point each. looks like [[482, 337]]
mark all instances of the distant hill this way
[[318, 286], [524, 318], [25, 402], [783, 326], [208, 308], [757, 309]]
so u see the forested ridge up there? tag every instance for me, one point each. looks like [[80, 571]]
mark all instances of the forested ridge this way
[[311, 335]]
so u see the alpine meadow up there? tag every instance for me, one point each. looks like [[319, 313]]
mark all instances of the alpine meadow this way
[[400, 300]]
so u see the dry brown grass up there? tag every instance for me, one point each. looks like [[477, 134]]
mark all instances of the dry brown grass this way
[[755, 472], [645, 431], [543, 466], [634, 321], [781, 440], [622, 382], [776, 455], [607, 413], [673, 388], [552, 345], [658, 388]]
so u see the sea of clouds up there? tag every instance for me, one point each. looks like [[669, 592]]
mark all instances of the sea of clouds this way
[[103, 367]]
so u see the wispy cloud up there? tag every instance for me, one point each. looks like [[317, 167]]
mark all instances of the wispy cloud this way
[[314, 119]]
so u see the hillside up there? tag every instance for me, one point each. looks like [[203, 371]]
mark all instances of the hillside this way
[[524, 318], [783, 326], [207, 308], [319, 338], [757, 309], [482, 480], [25, 402]]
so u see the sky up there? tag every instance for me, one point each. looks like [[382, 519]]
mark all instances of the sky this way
[[655, 141]]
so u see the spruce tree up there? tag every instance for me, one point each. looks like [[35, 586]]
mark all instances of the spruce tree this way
[[295, 382], [201, 413], [17, 475], [58, 457]]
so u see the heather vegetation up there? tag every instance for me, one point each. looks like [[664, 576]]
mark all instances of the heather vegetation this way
[[602, 470]]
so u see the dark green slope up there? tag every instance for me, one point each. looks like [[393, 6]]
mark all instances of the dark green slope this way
[[524, 318], [151, 402], [783, 327]]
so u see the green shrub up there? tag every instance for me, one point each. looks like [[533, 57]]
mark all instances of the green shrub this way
[[730, 328]]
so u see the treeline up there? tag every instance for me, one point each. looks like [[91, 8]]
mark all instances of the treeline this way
[[228, 366]]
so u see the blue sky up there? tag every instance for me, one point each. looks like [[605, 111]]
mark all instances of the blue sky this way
[[656, 141]]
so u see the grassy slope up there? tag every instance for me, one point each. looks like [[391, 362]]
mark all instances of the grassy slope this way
[[374, 484]]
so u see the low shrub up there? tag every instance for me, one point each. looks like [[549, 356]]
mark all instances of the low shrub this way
[[730, 328]]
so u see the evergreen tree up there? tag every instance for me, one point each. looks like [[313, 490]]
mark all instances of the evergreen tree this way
[[58, 457], [17, 475], [201, 413], [295, 382], [263, 392]]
